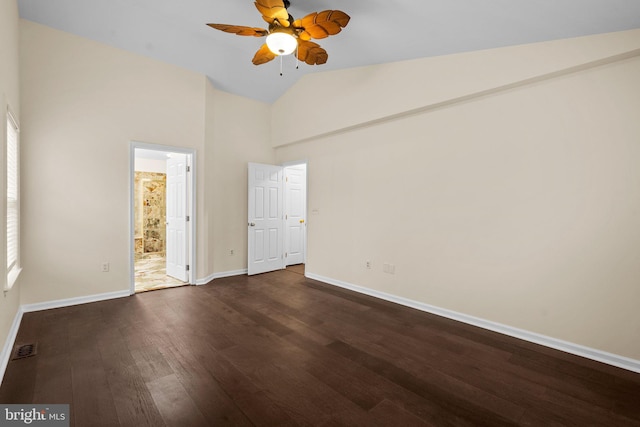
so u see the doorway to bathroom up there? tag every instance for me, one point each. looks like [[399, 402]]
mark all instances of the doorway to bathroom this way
[[161, 217]]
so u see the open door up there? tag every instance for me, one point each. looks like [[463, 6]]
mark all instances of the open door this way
[[177, 219], [265, 219], [295, 232]]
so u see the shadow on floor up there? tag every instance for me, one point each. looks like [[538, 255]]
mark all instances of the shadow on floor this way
[[298, 268]]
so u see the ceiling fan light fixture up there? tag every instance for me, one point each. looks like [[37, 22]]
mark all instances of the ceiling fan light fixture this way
[[281, 43], [286, 35]]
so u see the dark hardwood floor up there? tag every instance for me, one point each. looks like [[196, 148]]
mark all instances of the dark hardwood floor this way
[[278, 349]]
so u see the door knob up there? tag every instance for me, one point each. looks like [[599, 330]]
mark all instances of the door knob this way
[[252, 224]]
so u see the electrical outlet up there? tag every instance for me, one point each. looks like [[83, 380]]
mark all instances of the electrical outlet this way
[[105, 267], [389, 268], [368, 264]]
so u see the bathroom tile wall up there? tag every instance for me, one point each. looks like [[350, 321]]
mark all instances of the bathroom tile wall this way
[[150, 216]]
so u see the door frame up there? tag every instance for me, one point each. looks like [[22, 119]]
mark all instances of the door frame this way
[[191, 195]]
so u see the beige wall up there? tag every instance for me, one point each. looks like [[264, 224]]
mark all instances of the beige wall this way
[[83, 104], [236, 133], [364, 95], [9, 95], [519, 206], [241, 135]]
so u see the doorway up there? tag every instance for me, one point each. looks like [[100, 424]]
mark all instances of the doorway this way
[[277, 207], [161, 217]]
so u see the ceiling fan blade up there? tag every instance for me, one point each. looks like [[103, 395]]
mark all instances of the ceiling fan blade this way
[[273, 10], [318, 25], [311, 53], [240, 30], [263, 55]]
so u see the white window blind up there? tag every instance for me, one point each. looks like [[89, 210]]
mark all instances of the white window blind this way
[[13, 204]]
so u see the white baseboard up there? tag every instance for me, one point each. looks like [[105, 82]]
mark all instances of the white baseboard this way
[[200, 282], [214, 276], [9, 343], [27, 308], [568, 347]]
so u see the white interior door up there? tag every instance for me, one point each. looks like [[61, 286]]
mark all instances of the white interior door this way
[[265, 219], [177, 210], [295, 214]]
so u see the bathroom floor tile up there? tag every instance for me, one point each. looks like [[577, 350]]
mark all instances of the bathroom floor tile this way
[[151, 274]]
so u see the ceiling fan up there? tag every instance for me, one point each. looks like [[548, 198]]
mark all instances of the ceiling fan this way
[[286, 35]]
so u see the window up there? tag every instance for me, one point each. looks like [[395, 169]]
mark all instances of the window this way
[[13, 201]]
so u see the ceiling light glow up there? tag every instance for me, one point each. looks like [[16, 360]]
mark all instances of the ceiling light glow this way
[[281, 43]]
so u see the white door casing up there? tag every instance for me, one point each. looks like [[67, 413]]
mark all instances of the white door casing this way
[[177, 211], [265, 218], [295, 214]]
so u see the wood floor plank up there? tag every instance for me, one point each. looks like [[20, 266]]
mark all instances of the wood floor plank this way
[[207, 394], [483, 381], [174, 403], [92, 399], [151, 363], [305, 399], [53, 380], [132, 400], [263, 320], [478, 381], [368, 389], [447, 398], [388, 413], [89, 397], [19, 382], [251, 399], [281, 349]]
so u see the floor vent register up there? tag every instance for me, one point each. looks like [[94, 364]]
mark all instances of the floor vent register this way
[[21, 351]]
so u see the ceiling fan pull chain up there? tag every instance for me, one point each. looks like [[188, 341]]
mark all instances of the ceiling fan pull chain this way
[[280, 65], [297, 62]]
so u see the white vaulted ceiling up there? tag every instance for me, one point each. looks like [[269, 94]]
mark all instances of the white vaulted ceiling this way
[[379, 31]]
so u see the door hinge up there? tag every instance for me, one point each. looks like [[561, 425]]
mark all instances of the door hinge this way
[[286, 216], [286, 179], [187, 217], [188, 168], [187, 267], [286, 254]]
